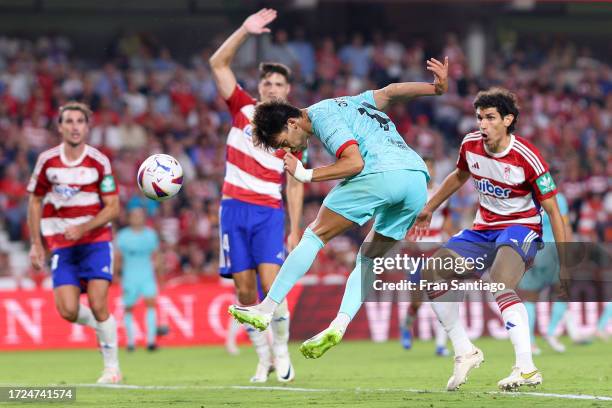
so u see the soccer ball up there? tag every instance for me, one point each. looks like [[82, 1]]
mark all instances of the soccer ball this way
[[160, 177]]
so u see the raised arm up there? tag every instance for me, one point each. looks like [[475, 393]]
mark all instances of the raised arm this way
[[221, 60], [408, 90]]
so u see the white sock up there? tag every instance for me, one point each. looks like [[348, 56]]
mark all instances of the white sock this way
[[280, 329], [232, 331], [107, 335], [570, 324], [267, 305], [441, 336], [515, 318], [341, 322], [260, 342], [448, 315], [86, 317]]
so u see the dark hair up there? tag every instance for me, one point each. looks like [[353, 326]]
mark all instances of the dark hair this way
[[267, 68], [270, 119], [74, 106], [502, 99]]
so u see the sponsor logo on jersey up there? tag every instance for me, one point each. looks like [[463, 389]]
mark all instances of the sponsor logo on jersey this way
[[65, 191], [476, 165], [545, 183], [486, 187]]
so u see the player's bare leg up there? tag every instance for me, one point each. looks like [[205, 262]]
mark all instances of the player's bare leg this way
[[508, 268], [128, 321], [446, 305], [245, 283], [375, 245], [327, 225], [97, 293], [151, 305], [279, 326]]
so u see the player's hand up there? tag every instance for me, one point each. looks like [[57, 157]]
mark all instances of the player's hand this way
[[37, 256], [291, 163], [421, 225], [440, 72], [292, 240], [256, 23], [75, 232]]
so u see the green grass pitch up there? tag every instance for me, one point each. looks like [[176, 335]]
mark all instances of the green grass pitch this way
[[353, 374]]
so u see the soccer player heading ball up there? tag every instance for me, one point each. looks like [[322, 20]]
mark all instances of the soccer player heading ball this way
[[383, 178]]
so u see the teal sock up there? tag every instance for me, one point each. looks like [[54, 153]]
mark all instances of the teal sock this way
[[128, 319], [151, 325], [531, 314], [558, 311], [352, 299], [296, 265], [605, 317]]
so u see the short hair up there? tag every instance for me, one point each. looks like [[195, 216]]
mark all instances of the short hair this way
[[503, 100], [270, 119], [267, 68], [75, 106]]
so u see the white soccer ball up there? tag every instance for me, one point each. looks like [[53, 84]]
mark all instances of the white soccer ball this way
[[160, 177]]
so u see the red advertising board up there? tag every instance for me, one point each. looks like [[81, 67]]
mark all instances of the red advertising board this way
[[197, 315]]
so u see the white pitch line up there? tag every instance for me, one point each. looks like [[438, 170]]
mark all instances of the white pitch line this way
[[298, 389]]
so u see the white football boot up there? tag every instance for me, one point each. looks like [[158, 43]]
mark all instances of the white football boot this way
[[517, 379], [110, 376], [463, 365]]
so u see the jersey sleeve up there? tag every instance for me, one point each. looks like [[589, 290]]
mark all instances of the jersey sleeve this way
[[238, 99], [108, 185], [39, 185], [537, 172], [461, 160], [332, 130], [367, 96], [154, 241]]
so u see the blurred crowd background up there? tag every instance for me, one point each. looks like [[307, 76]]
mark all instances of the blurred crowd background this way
[[148, 101]]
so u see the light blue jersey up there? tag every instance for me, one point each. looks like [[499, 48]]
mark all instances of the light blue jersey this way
[[547, 232], [136, 250], [343, 121]]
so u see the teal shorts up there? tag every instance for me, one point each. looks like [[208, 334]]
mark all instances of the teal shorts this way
[[545, 270], [132, 291], [394, 198]]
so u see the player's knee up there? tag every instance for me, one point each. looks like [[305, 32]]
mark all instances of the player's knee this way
[[68, 313], [246, 296], [100, 311]]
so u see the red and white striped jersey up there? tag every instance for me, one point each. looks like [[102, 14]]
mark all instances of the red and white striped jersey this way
[[72, 194], [511, 184], [252, 174]]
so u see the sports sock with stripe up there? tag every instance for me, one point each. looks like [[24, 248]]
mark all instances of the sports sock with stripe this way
[[516, 321]]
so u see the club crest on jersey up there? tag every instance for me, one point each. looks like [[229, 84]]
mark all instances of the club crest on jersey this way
[[486, 187]]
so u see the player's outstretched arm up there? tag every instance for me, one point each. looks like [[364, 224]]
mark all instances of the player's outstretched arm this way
[[408, 90], [451, 183], [221, 60], [348, 164], [37, 251]]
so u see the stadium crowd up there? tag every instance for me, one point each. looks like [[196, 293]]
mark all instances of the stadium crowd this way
[[145, 101]]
